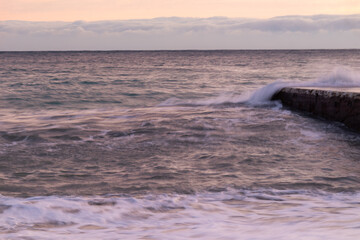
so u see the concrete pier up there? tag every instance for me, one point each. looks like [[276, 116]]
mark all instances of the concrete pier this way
[[339, 104]]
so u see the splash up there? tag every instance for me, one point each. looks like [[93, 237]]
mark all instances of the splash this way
[[338, 78], [264, 94]]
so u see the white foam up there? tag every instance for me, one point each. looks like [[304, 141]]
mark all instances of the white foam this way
[[222, 98], [264, 94], [339, 77], [232, 214], [311, 134]]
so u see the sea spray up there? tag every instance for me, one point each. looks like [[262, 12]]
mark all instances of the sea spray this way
[[264, 94], [339, 77]]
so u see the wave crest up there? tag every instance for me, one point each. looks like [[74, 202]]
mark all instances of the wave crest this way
[[223, 98], [338, 78], [177, 216]]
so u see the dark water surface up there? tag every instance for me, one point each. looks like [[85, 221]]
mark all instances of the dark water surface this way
[[102, 145]]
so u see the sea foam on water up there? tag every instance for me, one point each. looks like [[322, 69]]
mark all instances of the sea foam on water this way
[[174, 145], [232, 214]]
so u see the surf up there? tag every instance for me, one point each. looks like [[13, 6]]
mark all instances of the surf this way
[[339, 77]]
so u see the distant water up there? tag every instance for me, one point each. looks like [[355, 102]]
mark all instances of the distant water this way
[[174, 145]]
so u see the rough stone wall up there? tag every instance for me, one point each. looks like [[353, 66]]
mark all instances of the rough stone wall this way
[[330, 104]]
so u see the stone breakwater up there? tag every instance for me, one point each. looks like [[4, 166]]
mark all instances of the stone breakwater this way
[[339, 104]]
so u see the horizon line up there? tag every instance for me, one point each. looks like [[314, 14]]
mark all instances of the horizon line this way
[[190, 50]]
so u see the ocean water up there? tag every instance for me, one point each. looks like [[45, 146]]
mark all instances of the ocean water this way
[[174, 145]]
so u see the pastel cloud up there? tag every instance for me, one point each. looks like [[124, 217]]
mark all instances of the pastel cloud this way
[[319, 31], [93, 10]]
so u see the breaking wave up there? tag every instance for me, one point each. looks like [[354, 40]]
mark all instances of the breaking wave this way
[[251, 214], [339, 78]]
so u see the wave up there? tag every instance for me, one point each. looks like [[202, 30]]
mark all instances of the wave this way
[[223, 98], [279, 214], [339, 77]]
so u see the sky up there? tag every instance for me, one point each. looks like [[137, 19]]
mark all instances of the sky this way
[[95, 10], [178, 24]]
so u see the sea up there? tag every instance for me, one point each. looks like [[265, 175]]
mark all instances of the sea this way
[[174, 145]]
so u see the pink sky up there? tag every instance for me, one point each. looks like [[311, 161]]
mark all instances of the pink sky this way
[[91, 10]]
